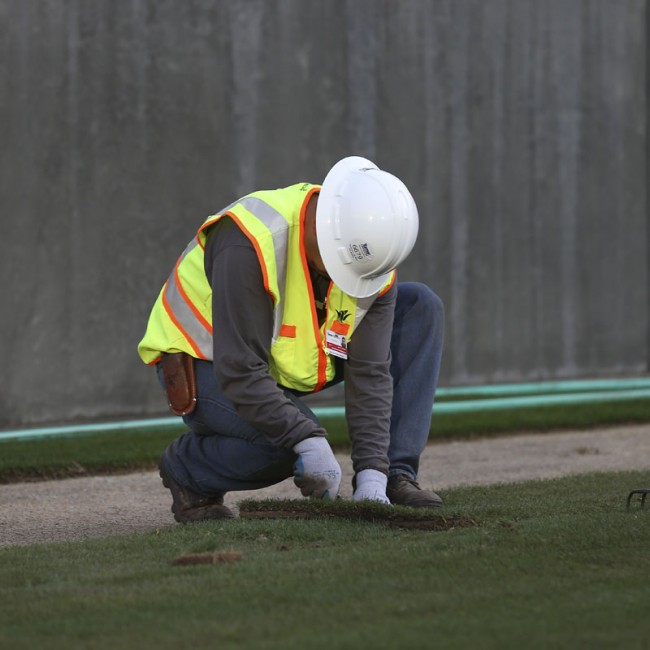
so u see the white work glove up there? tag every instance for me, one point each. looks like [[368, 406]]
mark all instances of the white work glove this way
[[371, 486], [316, 471]]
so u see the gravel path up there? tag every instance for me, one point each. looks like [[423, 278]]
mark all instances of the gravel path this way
[[81, 508]]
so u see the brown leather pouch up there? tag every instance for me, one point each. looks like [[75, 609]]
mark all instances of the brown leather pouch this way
[[180, 382]]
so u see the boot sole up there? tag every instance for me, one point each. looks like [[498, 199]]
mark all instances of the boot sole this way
[[200, 513]]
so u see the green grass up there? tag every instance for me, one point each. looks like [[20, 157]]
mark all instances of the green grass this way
[[552, 564], [548, 418], [96, 454], [128, 450]]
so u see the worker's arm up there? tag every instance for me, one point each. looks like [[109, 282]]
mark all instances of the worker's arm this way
[[369, 385], [242, 313]]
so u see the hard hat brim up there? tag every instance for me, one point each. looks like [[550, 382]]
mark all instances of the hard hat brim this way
[[327, 231]]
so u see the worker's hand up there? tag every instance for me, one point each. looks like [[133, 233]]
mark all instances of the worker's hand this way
[[316, 471], [371, 485]]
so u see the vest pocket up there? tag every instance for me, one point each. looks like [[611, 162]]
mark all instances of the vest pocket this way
[[282, 363]]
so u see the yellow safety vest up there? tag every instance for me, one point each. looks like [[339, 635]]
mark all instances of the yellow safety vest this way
[[273, 220]]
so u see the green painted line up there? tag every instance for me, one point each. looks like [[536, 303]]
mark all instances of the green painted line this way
[[562, 394], [537, 388], [524, 402], [540, 401], [171, 424]]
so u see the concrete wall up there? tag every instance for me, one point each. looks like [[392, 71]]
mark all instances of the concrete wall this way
[[519, 125]]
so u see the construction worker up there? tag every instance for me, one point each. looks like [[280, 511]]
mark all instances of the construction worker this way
[[281, 294]]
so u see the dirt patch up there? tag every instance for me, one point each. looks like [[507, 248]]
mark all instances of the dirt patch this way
[[227, 557]]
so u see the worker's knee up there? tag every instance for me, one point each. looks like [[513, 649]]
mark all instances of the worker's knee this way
[[421, 302]]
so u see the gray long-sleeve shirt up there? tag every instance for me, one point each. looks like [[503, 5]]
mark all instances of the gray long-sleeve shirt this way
[[242, 313]]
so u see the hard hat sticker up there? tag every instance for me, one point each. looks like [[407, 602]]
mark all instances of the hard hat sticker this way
[[360, 251]]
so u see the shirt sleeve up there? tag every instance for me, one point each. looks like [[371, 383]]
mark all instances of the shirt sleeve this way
[[369, 385], [242, 319]]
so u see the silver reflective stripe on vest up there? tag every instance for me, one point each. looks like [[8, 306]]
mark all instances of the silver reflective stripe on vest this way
[[277, 224], [192, 326]]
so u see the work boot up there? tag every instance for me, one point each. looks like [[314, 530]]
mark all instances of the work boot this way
[[189, 506], [405, 491]]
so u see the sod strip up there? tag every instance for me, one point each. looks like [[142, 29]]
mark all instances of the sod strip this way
[[398, 516]]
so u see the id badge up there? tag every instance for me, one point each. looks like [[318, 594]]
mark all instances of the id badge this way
[[336, 344]]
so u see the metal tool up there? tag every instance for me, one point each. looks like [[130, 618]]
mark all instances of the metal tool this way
[[642, 492]]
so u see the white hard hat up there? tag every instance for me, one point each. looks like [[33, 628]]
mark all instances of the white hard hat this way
[[366, 223]]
